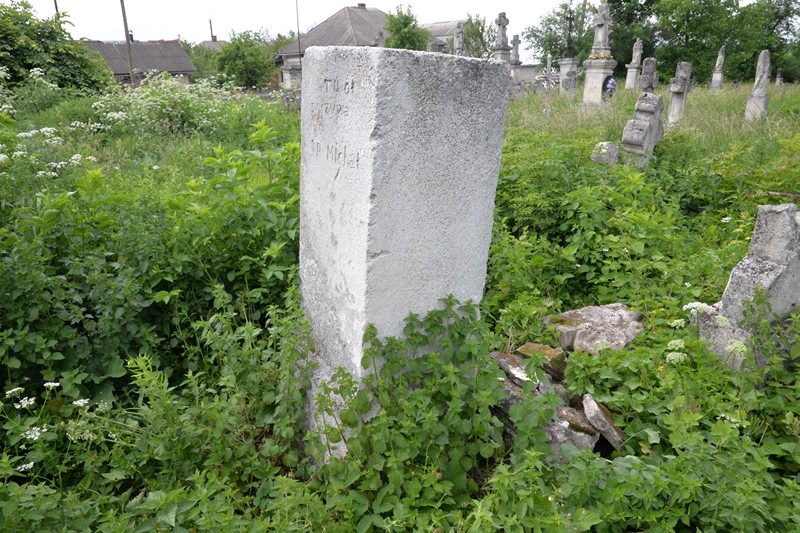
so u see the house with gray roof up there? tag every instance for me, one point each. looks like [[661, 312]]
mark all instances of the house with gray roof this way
[[161, 56], [352, 26]]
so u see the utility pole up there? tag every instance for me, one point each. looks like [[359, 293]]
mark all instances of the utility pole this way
[[56, 3], [127, 43]]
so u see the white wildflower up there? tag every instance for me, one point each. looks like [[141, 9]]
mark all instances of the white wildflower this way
[[156, 167], [34, 433], [3, 158], [81, 403], [687, 284], [676, 357], [678, 323], [47, 132], [721, 320], [605, 249], [25, 467], [27, 134], [51, 384], [737, 348], [36, 72], [20, 153], [675, 345], [725, 220], [46, 174], [696, 307], [25, 402], [91, 158], [54, 141], [731, 420], [14, 391], [79, 430]]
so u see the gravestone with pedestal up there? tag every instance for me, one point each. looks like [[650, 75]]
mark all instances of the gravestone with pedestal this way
[[758, 100], [632, 80], [679, 87], [600, 63], [717, 75]]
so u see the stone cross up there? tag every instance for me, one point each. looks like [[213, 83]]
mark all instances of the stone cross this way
[[679, 87], [515, 42], [632, 79], [649, 77], [602, 21], [758, 100], [392, 219], [569, 51], [502, 37]]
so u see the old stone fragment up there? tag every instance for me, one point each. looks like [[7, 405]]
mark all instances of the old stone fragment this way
[[514, 367], [576, 419], [632, 79], [392, 217], [595, 328], [555, 359], [758, 100], [600, 64], [679, 87], [644, 131], [600, 418], [606, 152], [560, 433], [772, 263], [648, 79]]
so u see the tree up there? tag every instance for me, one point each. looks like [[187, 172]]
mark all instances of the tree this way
[[27, 42], [247, 60], [549, 37], [205, 59], [479, 37], [404, 31]]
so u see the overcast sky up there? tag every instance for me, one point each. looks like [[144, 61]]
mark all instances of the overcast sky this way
[[188, 19]]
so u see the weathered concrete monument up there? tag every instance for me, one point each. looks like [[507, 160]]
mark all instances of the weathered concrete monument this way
[[400, 161], [568, 65], [758, 100], [679, 87], [644, 130], [718, 75], [779, 77], [632, 80], [648, 79], [600, 63]]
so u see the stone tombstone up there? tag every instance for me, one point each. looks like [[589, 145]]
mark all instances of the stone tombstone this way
[[679, 86], [515, 42], [632, 79], [502, 52], [758, 100], [568, 74], [644, 130], [600, 63], [648, 80], [773, 264], [779, 77], [717, 75], [392, 219], [458, 39]]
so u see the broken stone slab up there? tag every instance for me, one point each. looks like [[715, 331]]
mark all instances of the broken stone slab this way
[[559, 433], [605, 152], [772, 263], [644, 131], [514, 367], [555, 359], [600, 418], [758, 100], [595, 328], [576, 419]]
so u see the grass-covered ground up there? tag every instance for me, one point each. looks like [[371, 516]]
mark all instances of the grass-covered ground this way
[[155, 351]]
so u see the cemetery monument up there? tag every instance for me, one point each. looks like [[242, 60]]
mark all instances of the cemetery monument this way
[[679, 87], [758, 100], [568, 65], [717, 75], [632, 80], [502, 52], [600, 63]]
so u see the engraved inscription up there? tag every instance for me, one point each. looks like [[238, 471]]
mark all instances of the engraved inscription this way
[[337, 153], [333, 85], [329, 108]]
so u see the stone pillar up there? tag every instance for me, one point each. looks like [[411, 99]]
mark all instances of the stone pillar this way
[[779, 77], [758, 100], [502, 52], [679, 87], [400, 161], [632, 80], [716, 76], [568, 74], [515, 42], [596, 72], [648, 80]]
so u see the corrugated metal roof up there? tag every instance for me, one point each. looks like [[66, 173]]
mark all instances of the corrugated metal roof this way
[[442, 29], [163, 56], [350, 26]]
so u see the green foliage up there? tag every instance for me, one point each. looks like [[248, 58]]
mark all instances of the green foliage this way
[[27, 43], [205, 60], [549, 37], [247, 59], [404, 31], [479, 37]]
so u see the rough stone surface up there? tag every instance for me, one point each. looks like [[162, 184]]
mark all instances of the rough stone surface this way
[[606, 152], [568, 73], [773, 263], [559, 433], [600, 418], [576, 419], [648, 79], [514, 367], [644, 131], [555, 358], [679, 86], [596, 72], [400, 160], [758, 100], [595, 328]]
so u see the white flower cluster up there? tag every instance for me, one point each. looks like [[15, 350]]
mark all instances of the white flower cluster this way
[[25, 467], [79, 430], [696, 307], [676, 357], [7, 108], [721, 320], [52, 384], [36, 72], [3, 158], [25, 402], [675, 345], [46, 174], [81, 403], [729, 419], [725, 220], [14, 391], [34, 433], [737, 348], [678, 323]]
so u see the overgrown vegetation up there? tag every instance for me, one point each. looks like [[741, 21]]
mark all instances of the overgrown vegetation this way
[[156, 355]]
